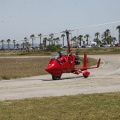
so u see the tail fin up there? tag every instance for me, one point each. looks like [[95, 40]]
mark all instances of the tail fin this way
[[98, 64], [85, 67]]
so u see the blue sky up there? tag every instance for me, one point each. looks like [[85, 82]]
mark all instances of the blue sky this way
[[21, 18]]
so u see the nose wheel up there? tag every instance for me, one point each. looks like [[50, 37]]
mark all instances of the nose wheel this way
[[56, 78]]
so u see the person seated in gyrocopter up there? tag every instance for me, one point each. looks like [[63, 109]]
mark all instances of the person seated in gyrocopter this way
[[59, 57], [60, 54]]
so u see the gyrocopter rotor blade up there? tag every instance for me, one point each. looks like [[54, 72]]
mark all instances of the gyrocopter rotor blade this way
[[68, 31]]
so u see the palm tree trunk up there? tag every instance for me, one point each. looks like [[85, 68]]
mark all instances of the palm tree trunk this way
[[32, 43], [80, 42], [63, 41], [83, 42], [119, 36], [8, 46], [14, 46], [2, 45], [40, 42], [87, 41]]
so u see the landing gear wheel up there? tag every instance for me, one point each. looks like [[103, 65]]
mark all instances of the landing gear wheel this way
[[85, 76], [58, 78], [55, 78]]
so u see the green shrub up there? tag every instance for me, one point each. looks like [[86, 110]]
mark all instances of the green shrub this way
[[53, 48]]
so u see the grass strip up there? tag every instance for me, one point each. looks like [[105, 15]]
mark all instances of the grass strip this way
[[79, 107]]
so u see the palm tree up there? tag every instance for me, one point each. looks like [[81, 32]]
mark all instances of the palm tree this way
[[74, 40], [108, 32], [114, 39], [17, 45], [14, 43], [111, 40], [57, 39], [2, 41], [27, 44], [106, 36], [49, 40], [23, 44], [44, 41], [51, 37], [33, 37], [84, 43], [63, 36], [118, 27], [54, 40], [40, 35], [87, 36], [80, 39], [97, 34], [8, 41], [25, 39]]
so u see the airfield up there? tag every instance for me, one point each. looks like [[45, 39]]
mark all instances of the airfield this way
[[101, 80]]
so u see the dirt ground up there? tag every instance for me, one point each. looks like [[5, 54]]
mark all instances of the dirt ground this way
[[101, 80]]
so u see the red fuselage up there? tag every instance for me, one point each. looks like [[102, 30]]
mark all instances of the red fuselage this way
[[64, 64]]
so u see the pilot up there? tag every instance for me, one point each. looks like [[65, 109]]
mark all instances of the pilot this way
[[60, 59], [60, 54]]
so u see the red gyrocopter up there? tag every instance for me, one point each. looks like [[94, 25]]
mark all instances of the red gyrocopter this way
[[66, 64]]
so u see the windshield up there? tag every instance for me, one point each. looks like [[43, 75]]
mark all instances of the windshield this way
[[56, 55]]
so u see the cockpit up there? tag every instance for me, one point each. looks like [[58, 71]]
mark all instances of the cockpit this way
[[58, 55]]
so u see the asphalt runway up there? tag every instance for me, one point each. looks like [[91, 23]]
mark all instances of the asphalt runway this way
[[101, 80]]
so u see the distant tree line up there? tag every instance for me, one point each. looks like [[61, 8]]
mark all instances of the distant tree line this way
[[105, 37]]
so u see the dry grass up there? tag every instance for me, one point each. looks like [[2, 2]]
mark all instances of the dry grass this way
[[22, 67], [25, 67], [101, 50], [98, 51]]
